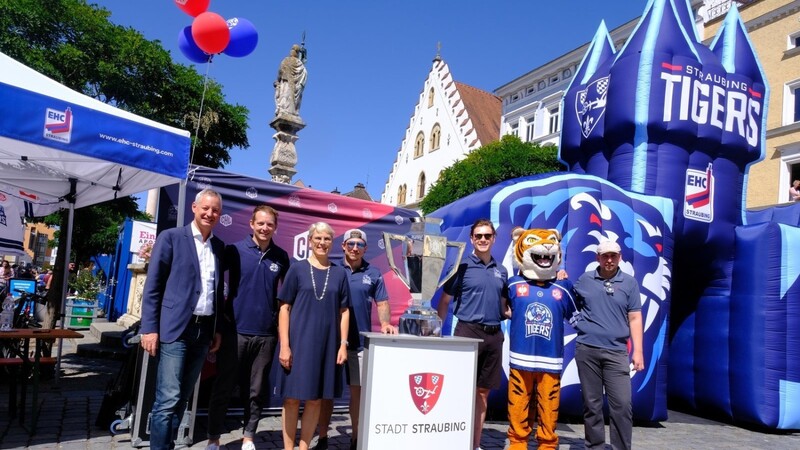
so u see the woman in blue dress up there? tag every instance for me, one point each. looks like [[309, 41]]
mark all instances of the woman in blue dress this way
[[313, 321]]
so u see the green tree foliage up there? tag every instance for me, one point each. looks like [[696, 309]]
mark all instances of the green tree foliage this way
[[96, 229], [75, 44], [488, 165]]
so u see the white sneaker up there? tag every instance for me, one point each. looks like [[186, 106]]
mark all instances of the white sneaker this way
[[211, 446], [248, 446]]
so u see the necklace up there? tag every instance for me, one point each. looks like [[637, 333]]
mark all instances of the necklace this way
[[314, 283]]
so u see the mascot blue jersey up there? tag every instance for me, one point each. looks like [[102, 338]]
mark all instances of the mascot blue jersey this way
[[537, 323]]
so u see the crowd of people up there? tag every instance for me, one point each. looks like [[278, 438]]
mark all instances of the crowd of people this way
[[312, 312], [24, 272]]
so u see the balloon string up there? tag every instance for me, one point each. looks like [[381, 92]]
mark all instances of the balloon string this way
[[200, 113]]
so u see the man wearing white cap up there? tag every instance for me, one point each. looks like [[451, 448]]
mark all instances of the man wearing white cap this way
[[366, 287], [611, 314]]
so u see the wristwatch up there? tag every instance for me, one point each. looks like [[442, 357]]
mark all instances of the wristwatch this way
[[344, 342]]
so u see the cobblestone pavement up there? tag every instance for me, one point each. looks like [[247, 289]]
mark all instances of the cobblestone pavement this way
[[69, 410]]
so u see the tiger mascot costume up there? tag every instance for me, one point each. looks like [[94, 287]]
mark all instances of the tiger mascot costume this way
[[539, 304]]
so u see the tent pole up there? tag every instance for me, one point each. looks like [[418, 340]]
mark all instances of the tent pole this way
[[71, 218], [181, 203]]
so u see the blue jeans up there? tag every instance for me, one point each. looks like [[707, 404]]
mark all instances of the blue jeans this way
[[179, 365]]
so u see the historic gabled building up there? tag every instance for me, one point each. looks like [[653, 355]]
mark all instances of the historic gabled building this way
[[450, 120], [774, 30]]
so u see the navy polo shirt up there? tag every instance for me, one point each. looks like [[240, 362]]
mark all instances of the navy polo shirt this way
[[476, 289], [604, 313], [366, 286], [253, 279]]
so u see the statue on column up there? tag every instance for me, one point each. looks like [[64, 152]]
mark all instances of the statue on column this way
[[291, 81], [289, 87]]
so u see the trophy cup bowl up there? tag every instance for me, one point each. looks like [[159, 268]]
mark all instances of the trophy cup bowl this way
[[424, 252]]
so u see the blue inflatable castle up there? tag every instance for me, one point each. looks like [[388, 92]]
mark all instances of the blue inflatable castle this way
[[658, 138]]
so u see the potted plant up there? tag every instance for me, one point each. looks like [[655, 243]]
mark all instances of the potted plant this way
[[82, 307]]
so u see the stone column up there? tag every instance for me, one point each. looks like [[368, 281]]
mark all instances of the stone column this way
[[284, 155], [133, 312]]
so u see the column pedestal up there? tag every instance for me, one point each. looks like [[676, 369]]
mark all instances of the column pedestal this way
[[133, 313]]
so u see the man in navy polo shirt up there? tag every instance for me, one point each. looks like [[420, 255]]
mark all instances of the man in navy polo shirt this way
[[255, 267], [478, 287], [366, 286], [611, 314]]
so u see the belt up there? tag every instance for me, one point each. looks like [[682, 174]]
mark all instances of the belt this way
[[490, 329], [201, 320]]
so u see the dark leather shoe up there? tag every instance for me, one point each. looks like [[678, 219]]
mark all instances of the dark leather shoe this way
[[322, 444]]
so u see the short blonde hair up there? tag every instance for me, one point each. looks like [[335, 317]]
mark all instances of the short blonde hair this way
[[320, 227]]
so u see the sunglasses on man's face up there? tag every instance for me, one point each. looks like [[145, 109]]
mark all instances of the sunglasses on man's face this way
[[352, 244], [479, 236]]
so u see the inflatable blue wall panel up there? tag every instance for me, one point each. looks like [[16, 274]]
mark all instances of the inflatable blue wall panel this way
[[765, 326]]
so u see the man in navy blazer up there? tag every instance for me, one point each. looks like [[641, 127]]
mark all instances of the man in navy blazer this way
[[182, 298]]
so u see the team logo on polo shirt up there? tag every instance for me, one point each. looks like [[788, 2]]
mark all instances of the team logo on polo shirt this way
[[538, 321], [425, 389], [497, 273], [274, 267], [366, 279]]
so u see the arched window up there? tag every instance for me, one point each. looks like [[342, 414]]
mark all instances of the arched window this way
[[401, 195], [421, 186], [419, 146], [436, 135], [430, 98]]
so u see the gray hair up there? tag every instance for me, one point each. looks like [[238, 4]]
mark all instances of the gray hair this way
[[320, 227], [208, 192]]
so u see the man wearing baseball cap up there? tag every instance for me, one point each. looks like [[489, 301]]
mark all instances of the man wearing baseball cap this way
[[611, 314], [366, 286]]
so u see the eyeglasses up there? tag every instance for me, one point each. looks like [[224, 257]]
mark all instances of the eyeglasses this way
[[352, 244], [479, 236], [609, 287]]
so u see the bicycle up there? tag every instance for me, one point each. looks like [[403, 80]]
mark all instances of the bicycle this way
[[24, 317]]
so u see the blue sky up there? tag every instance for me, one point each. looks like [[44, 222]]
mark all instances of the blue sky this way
[[367, 62]]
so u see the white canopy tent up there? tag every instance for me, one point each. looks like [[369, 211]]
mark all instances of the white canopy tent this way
[[62, 149]]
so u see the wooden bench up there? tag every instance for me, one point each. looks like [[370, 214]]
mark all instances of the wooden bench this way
[[12, 387]]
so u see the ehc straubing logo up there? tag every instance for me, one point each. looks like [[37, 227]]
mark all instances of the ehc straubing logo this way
[[698, 201], [58, 125]]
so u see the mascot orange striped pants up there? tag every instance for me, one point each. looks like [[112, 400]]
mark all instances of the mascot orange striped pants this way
[[533, 395]]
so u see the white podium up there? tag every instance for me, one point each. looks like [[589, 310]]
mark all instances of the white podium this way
[[417, 392]]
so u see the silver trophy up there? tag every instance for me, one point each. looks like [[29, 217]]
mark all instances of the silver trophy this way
[[424, 252]]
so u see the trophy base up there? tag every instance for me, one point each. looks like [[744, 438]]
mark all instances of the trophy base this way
[[420, 321]]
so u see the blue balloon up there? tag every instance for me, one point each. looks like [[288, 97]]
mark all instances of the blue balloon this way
[[244, 37], [189, 49]]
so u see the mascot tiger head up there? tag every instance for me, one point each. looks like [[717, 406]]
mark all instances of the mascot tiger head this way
[[537, 252]]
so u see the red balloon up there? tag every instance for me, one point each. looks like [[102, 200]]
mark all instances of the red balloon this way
[[210, 32], [193, 7]]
